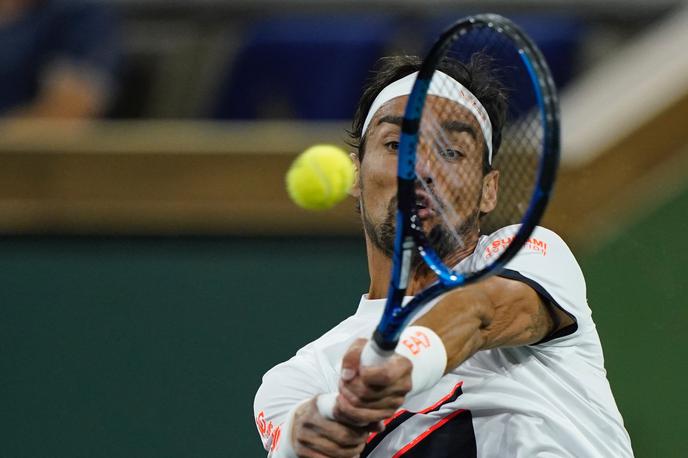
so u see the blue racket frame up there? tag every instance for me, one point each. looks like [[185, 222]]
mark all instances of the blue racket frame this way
[[409, 236]]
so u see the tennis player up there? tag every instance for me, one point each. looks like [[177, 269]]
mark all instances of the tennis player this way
[[513, 365]]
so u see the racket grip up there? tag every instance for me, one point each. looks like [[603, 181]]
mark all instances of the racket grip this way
[[325, 404], [373, 355]]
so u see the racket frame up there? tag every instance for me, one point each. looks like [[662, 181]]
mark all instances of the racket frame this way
[[410, 238]]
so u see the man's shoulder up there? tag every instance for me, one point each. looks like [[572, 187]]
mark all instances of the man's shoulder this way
[[547, 265], [506, 234], [541, 242]]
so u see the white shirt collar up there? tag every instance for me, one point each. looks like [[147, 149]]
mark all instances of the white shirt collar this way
[[373, 306], [370, 306]]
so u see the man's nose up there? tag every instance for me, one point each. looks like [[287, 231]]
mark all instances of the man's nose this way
[[423, 171], [423, 164]]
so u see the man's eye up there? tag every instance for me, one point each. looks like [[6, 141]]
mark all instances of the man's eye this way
[[392, 146], [451, 154]]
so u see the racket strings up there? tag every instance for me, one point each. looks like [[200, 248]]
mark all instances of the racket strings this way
[[520, 153], [445, 212], [454, 192], [455, 196], [441, 188], [517, 161]]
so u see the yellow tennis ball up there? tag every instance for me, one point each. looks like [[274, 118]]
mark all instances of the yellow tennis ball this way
[[320, 177]]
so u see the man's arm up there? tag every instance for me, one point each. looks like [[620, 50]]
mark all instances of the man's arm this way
[[496, 312]]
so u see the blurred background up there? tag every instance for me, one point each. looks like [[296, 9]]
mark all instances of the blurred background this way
[[152, 267]]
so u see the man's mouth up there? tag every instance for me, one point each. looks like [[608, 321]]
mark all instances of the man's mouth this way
[[425, 207]]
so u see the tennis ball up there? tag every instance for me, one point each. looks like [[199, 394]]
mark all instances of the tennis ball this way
[[320, 177]]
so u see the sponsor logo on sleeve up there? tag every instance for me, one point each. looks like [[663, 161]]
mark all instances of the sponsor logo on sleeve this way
[[497, 246], [268, 433]]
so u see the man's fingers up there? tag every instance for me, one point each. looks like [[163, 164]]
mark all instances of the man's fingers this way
[[330, 439], [351, 360], [396, 368], [343, 435], [304, 452], [371, 394], [314, 436], [318, 446], [347, 413], [392, 400], [376, 383]]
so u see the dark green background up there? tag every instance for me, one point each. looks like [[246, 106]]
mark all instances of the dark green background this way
[[154, 347]]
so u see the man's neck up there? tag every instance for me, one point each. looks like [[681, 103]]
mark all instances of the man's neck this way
[[380, 269]]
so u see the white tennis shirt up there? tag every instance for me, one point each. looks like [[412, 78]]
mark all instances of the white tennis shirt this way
[[549, 399]]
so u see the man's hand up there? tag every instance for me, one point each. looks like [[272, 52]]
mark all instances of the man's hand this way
[[368, 395], [314, 436]]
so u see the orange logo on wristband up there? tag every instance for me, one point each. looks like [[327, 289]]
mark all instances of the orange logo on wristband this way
[[416, 342]]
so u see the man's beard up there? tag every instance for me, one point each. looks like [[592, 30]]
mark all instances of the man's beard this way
[[445, 243], [383, 234]]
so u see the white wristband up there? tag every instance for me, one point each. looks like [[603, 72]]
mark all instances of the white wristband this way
[[427, 353]]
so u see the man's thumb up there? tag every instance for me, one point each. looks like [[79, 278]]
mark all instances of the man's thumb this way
[[352, 359]]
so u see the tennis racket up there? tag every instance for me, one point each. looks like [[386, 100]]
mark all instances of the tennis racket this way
[[441, 205]]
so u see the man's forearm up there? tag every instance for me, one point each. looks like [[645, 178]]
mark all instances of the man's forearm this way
[[496, 312]]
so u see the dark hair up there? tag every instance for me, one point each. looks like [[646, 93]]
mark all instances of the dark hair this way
[[474, 76]]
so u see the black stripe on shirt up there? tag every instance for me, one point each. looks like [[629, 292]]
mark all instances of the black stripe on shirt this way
[[402, 417], [549, 300], [453, 439]]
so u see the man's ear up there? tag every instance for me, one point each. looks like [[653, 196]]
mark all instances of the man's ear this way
[[355, 190], [488, 202]]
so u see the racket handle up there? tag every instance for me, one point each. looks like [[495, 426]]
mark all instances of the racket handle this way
[[325, 404], [373, 355]]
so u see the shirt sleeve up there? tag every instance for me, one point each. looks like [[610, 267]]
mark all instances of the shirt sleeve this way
[[546, 264], [284, 387]]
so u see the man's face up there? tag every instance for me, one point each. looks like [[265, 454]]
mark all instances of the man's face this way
[[451, 188]]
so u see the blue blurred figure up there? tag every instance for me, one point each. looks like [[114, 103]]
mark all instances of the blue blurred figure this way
[[57, 58]]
